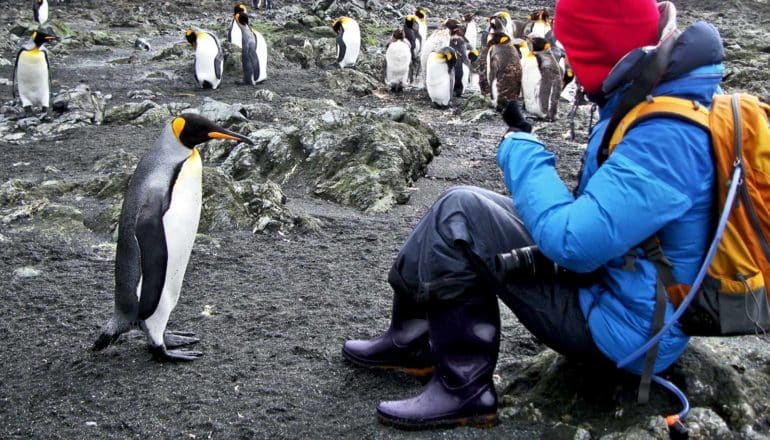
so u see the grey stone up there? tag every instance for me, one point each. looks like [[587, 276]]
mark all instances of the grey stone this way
[[128, 111]]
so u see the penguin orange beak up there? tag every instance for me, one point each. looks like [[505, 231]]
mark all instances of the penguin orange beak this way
[[230, 136], [50, 37]]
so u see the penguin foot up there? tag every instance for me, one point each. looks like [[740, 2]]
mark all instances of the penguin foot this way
[[162, 354], [179, 339], [104, 340]]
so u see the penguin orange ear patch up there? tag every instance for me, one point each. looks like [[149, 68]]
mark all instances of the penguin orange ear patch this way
[[178, 125], [504, 39]]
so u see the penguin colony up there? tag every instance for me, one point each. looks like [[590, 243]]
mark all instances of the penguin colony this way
[[515, 60], [507, 60]]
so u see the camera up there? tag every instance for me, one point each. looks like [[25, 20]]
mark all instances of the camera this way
[[527, 263]]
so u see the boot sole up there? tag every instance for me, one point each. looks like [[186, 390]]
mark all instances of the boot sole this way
[[483, 422], [410, 371]]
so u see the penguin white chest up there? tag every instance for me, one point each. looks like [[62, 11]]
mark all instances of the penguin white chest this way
[[530, 85], [206, 52], [471, 34], [32, 78], [236, 37], [180, 223], [42, 12], [261, 56], [438, 81]]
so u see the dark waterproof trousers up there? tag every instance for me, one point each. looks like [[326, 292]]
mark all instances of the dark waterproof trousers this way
[[450, 255]]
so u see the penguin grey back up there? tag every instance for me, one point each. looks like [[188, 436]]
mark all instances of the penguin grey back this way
[[460, 45], [249, 57]]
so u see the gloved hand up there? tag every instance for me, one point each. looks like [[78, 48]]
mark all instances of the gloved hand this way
[[515, 120]]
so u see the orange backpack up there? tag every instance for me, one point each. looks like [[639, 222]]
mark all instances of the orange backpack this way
[[734, 298]]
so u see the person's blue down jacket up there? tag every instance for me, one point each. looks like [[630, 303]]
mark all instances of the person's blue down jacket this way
[[658, 180]]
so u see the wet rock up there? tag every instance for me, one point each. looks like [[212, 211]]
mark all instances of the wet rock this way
[[62, 218], [112, 174], [103, 38], [60, 28], [704, 423], [175, 52], [153, 116], [128, 111], [223, 209], [353, 81], [221, 112], [80, 104]]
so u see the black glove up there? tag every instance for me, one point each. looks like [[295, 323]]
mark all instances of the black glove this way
[[515, 120]]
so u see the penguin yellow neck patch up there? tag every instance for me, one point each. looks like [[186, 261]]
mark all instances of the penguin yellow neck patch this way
[[178, 126]]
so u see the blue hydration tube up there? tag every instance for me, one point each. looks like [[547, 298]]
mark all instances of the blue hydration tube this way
[[736, 180]]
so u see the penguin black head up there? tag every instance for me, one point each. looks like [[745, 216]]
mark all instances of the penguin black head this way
[[473, 55], [192, 129], [452, 24], [421, 13], [498, 38], [540, 14], [339, 24], [240, 7], [40, 38], [539, 44], [411, 21], [191, 37], [398, 34], [468, 17], [449, 55], [242, 18]]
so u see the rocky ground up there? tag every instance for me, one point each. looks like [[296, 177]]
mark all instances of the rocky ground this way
[[296, 237]]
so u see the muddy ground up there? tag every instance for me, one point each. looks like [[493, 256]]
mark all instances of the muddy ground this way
[[277, 306]]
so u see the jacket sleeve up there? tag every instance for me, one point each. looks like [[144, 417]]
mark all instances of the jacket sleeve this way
[[645, 184]]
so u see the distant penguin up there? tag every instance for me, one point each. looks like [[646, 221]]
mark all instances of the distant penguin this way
[[156, 231], [437, 40], [505, 20], [422, 21], [539, 24], [440, 76], [462, 68], [471, 30], [31, 73], [550, 78], [503, 70], [263, 4], [40, 11], [398, 60], [496, 25], [253, 52], [473, 83], [209, 58], [234, 35], [348, 41]]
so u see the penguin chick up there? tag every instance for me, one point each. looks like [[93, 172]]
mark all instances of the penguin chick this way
[[253, 52], [31, 73], [209, 58], [40, 11], [157, 227], [398, 60], [440, 76], [234, 32], [503, 70], [348, 41]]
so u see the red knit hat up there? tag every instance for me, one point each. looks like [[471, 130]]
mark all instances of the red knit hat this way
[[596, 34]]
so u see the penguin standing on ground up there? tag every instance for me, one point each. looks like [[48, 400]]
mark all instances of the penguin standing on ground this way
[[40, 11], [440, 76], [398, 61], [462, 68], [156, 231], [437, 40], [550, 79], [422, 21], [503, 70], [539, 25], [234, 35], [31, 73], [412, 35], [471, 31], [348, 41], [209, 58], [263, 4], [253, 52]]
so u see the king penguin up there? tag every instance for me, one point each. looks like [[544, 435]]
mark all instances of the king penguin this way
[[503, 70], [31, 72], [156, 231], [539, 24], [412, 35], [40, 11], [462, 68], [471, 30], [440, 76], [398, 61], [234, 33], [209, 58], [437, 40], [254, 52], [422, 21], [348, 41], [550, 78]]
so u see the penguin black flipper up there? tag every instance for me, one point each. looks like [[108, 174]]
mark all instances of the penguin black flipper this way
[[230, 30], [151, 237], [340, 48], [13, 77], [218, 61]]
